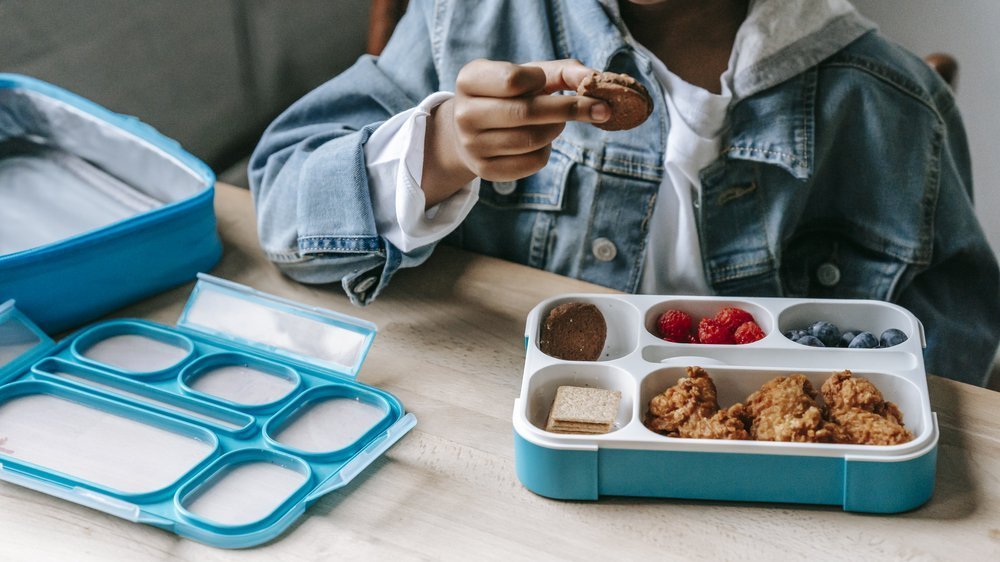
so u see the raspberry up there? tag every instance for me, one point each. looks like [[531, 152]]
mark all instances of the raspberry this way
[[747, 333], [731, 318], [711, 331], [675, 326]]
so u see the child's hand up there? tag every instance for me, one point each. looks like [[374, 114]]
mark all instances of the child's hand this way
[[501, 123]]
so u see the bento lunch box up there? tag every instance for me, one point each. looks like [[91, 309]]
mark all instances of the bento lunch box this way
[[223, 429], [632, 460], [97, 209]]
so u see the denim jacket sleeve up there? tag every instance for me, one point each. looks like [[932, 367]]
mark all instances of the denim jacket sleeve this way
[[308, 175], [957, 297]]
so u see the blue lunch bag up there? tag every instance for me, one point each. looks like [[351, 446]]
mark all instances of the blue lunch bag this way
[[97, 209]]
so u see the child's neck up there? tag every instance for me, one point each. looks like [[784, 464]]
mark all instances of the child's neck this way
[[693, 38]]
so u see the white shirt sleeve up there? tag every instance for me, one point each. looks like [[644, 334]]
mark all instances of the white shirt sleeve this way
[[394, 158]]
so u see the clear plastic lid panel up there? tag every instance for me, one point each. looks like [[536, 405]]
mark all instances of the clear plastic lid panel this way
[[235, 312]]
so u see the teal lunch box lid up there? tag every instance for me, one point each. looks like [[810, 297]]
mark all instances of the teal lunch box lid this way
[[141, 207], [150, 445]]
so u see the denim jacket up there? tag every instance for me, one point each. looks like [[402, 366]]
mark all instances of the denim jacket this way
[[847, 179]]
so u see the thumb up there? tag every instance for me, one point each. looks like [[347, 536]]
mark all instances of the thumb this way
[[564, 74]]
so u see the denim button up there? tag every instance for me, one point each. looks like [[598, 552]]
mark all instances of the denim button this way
[[364, 285], [828, 274], [504, 187], [604, 249]]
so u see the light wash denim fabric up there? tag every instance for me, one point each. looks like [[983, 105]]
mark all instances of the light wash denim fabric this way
[[846, 177]]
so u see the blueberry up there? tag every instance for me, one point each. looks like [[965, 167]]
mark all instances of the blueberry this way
[[796, 335], [892, 337], [864, 340], [847, 337], [826, 332], [811, 341]]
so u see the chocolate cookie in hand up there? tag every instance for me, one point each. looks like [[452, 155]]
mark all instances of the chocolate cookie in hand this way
[[630, 102]]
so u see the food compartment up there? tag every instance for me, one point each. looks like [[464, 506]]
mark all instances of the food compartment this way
[[542, 387], [219, 418], [239, 380], [88, 440], [869, 316], [133, 348], [621, 318], [244, 487], [735, 384], [328, 421], [699, 309]]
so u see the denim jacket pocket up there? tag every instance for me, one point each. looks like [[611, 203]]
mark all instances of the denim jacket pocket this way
[[834, 264], [542, 191]]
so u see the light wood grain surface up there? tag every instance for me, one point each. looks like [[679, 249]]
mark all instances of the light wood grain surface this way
[[450, 347]]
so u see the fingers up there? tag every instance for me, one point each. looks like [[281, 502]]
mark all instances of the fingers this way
[[504, 79], [562, 74], [510, 168], [511, 142], [499, 79], [505, 116], [491, 113]]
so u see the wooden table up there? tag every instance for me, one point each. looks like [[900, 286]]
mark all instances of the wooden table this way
[[450, 347]]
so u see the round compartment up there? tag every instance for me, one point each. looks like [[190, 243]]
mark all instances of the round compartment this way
[[543, 384], [870, 316], [735, 384], [133, 348], [239, 380], [621, 317], [244, 487], [706, 308], [328, 421]]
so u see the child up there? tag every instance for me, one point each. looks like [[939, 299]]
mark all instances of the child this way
[[792, 151]]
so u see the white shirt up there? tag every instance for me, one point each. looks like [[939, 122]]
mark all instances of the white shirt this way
[[697, 118], [394, 157]]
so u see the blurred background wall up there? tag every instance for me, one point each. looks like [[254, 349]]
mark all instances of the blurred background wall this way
[[209, 73], [969, 30]]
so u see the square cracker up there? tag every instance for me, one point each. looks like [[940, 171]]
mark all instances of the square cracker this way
[[583, 410], [581, 428]]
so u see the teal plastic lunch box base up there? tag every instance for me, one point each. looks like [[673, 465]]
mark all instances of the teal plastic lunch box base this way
[[865, 486], [54, 144], [637, 367], [70, 284]]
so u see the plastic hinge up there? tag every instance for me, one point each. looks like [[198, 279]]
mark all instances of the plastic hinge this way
[[368, 455], [107, 504]]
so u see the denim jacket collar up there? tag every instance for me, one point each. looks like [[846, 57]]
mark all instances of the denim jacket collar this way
[[787, 140], [594, 32], [777, 127]]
